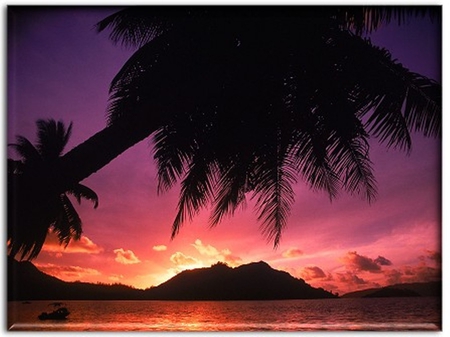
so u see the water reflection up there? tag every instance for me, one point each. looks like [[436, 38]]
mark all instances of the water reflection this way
[[297, 315]]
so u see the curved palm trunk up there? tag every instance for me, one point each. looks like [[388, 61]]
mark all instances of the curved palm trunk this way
[[99, 150]]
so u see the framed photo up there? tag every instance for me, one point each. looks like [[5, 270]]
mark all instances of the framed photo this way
[[224, 168]]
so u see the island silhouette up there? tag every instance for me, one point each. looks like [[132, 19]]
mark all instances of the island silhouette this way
[[253, 281]]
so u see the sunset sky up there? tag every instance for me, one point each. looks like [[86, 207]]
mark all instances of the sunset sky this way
[[59, 67]]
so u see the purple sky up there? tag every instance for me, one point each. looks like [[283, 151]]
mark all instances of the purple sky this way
[[59, 67]]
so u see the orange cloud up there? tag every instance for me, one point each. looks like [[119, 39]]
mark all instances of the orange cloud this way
[[232, 260], [115, 278], [67, 273], [205, 249], [126, 256], [159, 248], [292, 253], [182, 260], [82, 246], [223, 255]]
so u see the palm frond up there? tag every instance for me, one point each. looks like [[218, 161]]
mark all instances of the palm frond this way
[[52, 138], [136, 26], [231, 189], [350, 159], [81, 191], [27, 230], [196, 191], [393, 99], [172, 152], [27, 244], [274, 194], [312, 162], [68, 223], [26, 150], [366, 19], [422, 105], [14, 166]]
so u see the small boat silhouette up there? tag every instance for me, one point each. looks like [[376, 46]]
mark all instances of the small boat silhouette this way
[[58, 314]]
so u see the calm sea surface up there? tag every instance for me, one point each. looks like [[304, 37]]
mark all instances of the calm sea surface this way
[[413, 313]]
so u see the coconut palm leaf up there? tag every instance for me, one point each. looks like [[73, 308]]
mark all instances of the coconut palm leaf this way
[[231, 187], [307, 89], [26, 150], [196, 191], [134, 27], [273, 191], [67, 225], [26, 235], [52, 138], [366, 19], [80, 191]]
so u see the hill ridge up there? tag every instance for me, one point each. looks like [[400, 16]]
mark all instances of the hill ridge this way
[[252, 281]]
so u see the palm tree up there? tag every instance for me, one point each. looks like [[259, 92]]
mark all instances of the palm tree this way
[[246, 100], [261, 97], [58, 214]]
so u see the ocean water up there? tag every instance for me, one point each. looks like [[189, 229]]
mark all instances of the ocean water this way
[[379, 314]]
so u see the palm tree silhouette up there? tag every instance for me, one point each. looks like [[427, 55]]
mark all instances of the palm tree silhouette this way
[[246, 100], [260, 97], [58, 215]]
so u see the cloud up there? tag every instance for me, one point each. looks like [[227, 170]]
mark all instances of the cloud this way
[[434, 256], [393, 276], [350, 278], [382, 261], [421, 273], [223, 255], [126, 256], [159, 248], [232, 260], [362, 263], [207, 250], [67, 273], [292, 253], [313, 272], [82, 246], [115, 278], [182, 260]]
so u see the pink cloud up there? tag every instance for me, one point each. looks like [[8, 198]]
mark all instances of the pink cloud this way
[[421, 273], [382, 261], [350, 278], [126, 256], [393, 276], [434, 256], [292, 253], [355, 261], [313, 272]]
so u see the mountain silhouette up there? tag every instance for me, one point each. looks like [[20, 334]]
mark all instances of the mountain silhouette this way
[[26, 282], [401, 290], [254, 281]]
